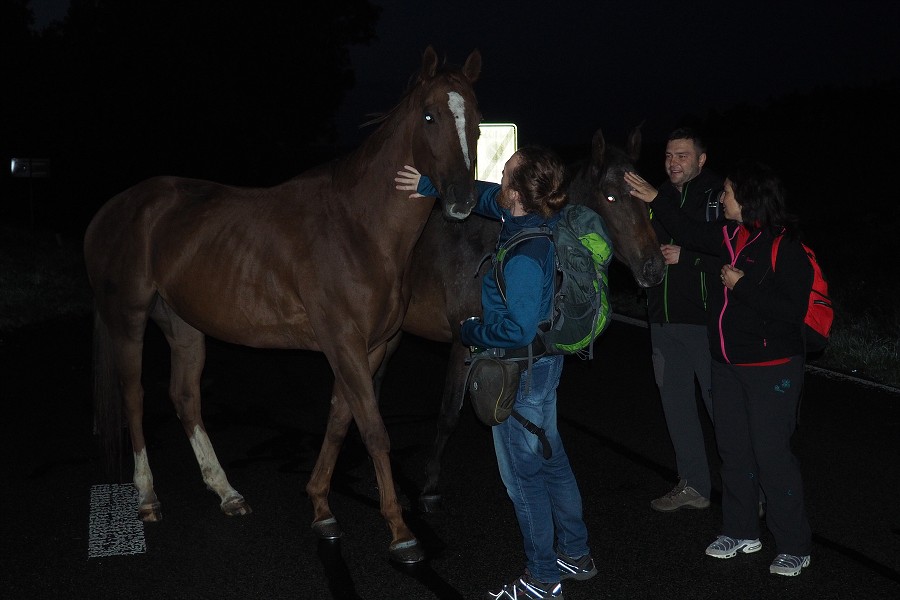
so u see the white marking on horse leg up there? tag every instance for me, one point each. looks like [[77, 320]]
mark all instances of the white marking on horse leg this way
[[212, 472], [458, 108], [143, 478]]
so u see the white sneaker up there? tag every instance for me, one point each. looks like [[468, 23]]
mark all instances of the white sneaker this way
[[726, 547]]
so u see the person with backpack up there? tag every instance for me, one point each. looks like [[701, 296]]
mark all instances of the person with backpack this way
[[543, 491], [677, 315], [756, 339]]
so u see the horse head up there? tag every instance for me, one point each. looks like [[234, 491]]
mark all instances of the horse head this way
[[448, 117], [626, 217]]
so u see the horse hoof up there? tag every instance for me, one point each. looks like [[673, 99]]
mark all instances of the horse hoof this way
[[150, 513], [431, 503], [236, 508], [408, 552], [327, 529]]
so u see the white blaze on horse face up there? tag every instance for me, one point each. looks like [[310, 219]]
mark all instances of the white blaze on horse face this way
[[458, 108]]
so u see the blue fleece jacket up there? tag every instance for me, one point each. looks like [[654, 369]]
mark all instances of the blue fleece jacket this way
[[529, 273]]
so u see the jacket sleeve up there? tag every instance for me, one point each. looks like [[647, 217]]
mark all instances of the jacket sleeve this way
[[486, 191], [699, 236], [514, 325], [787, 300]]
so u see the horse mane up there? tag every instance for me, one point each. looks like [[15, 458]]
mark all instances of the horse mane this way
[[350, 169]]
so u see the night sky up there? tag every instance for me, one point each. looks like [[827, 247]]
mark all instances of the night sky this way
[[561, 69]]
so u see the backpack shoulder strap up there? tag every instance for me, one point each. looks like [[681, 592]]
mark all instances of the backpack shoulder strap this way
[[503, 251]]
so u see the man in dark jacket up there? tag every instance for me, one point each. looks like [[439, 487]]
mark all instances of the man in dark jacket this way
[[677, 313]]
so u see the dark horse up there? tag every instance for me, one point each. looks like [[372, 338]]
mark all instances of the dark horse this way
[[446, 288], [315, 263]]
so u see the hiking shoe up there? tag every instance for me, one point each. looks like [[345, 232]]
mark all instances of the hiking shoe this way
[[788, 564], [526, 588], [579, 570], [681, 496], [726, 547]]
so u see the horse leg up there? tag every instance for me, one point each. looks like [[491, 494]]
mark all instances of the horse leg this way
[[126, 339], [324, 524], [391, 348], [354, 392], [188, 350], [454, 391]]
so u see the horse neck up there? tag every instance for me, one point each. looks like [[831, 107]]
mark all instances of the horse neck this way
[[370, 172]]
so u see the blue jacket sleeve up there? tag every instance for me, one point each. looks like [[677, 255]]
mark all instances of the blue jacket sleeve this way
[[515, 324], [487, 196]]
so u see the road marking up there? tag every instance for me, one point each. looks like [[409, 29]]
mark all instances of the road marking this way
[[114, 528]]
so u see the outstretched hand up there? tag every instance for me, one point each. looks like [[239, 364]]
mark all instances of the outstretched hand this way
[[640, 188], [408, 179]]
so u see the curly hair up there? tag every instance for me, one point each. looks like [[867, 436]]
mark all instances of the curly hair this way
[[761, 194], [539, 179]]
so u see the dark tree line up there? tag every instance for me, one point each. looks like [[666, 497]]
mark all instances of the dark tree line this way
[[241, 92]]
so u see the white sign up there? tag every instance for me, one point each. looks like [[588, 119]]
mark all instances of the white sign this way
[[497, 143]]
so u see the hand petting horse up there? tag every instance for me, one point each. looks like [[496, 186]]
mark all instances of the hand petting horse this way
[[257, 267]]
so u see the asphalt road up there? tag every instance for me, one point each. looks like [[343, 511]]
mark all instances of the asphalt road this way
[[265, 412]]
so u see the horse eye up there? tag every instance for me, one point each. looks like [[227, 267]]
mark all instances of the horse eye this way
[[428, 118], [610, 198]]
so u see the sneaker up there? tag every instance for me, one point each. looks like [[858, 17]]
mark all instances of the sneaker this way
[[681, 496], [726, 547], [788, 564], [526, 588], [579, 570]]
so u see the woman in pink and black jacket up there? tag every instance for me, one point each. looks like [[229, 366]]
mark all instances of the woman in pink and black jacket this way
[[756, 342]]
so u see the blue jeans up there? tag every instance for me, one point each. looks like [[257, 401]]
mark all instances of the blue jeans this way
[[544, 492]]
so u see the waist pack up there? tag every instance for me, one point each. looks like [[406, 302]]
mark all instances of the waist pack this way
[[493, 383], [819, 310]]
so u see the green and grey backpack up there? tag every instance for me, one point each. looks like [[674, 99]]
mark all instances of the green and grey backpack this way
[[580, 310]]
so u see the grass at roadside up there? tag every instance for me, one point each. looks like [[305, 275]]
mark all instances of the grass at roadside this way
[[864, 344], [41, 277]]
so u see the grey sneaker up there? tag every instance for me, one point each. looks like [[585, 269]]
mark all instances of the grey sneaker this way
[[726, 547], [526, 588], [579, 570], [788, 564], [681, 496]]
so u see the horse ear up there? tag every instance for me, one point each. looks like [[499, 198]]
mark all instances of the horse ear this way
[[598, 148], [472, 68], [429, 64], [634, 142]]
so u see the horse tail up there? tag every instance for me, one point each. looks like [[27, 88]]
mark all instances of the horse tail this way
[[108, 409]]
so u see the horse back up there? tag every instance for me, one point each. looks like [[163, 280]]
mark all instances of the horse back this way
[[240, 264]]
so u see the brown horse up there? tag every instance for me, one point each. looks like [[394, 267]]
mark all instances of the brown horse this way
[[315, 263], [446, 288]]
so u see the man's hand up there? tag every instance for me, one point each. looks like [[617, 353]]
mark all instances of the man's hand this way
[[408, 179], [671, 253], [640, 188]]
